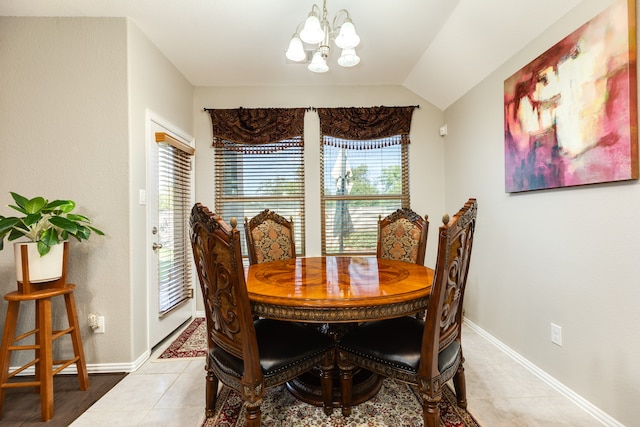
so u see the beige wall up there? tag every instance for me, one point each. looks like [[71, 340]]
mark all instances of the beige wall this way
[[73, 97], [567, 256], [63, 115], [155, 87]]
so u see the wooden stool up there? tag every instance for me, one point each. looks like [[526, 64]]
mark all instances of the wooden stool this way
[[45, 366]]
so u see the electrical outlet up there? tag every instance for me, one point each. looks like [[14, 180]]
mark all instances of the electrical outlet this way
[[556, 334]]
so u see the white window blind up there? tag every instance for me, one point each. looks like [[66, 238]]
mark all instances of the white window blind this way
[[252, 178], [358, 185], [174, 204]]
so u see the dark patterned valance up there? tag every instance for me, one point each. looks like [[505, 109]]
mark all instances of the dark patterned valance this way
[[374, 126], [256, 126]]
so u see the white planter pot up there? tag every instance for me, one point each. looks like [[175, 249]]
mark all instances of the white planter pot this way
[[41, 269]]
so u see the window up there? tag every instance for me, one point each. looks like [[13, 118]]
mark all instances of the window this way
[[174, 204], [364, 166], [272, 178], [259, 164], [357, 187]]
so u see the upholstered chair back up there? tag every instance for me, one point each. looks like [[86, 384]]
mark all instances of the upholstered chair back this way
[[402, 236], [269, 237]]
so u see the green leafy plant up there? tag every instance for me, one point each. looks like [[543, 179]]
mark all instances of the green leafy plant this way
[[44, 222]]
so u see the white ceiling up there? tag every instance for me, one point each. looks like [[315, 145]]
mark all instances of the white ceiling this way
[[439, 49]]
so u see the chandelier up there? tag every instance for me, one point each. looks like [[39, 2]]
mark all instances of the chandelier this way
[[317, 32]]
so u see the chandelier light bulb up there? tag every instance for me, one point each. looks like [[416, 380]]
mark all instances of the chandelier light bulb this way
[[347, 38], [318, 64], [349, 58], [312, 32], [296, 50]]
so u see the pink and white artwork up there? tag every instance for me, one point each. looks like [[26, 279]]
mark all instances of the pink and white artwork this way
[[570, 116]]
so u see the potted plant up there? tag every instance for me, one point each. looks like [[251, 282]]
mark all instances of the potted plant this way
[[44, 225]]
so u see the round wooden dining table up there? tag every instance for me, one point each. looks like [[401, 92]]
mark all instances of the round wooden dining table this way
[[337, 289], [337, 292]]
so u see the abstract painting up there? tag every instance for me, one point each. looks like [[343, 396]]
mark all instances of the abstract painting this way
[[570, 116]]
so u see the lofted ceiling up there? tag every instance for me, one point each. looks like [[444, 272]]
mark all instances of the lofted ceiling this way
[[438, 49]]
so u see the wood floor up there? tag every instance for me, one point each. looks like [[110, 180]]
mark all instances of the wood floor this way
[[22, 405]]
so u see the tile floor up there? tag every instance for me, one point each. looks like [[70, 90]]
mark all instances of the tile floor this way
[[500, 393]]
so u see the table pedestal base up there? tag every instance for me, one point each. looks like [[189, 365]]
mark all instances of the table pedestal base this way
[[307, 388]]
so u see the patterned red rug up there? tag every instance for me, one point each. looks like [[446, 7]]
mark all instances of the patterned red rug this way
[[396, 404], [191, 343]]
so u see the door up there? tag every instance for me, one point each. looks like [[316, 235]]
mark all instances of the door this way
[[169, 199]]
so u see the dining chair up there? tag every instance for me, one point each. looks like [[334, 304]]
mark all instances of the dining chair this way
[[423, 353], [244, 355], [269, 237], [402, 236]]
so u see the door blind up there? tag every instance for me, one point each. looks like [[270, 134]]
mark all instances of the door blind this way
[[174, 203]]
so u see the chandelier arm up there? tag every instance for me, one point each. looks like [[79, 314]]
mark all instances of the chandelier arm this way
[[298, 29], [335, 27]]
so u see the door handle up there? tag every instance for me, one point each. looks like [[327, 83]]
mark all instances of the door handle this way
[[156, 246]]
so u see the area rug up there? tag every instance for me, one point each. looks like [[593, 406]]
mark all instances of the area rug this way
[[396, 404], [191, 343]]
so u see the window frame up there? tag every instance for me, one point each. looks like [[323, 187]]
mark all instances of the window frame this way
[[403, 198]]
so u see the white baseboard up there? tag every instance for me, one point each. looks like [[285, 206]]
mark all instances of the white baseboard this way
[[97, 368], [102, 368], [587, 406]]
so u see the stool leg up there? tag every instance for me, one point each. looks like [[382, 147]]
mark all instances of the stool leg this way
[[7, 340], [45, 370], [76, 339], [37, 352]]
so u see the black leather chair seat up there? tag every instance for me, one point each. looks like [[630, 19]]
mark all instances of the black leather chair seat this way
[[395, 342], [281, 345]]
